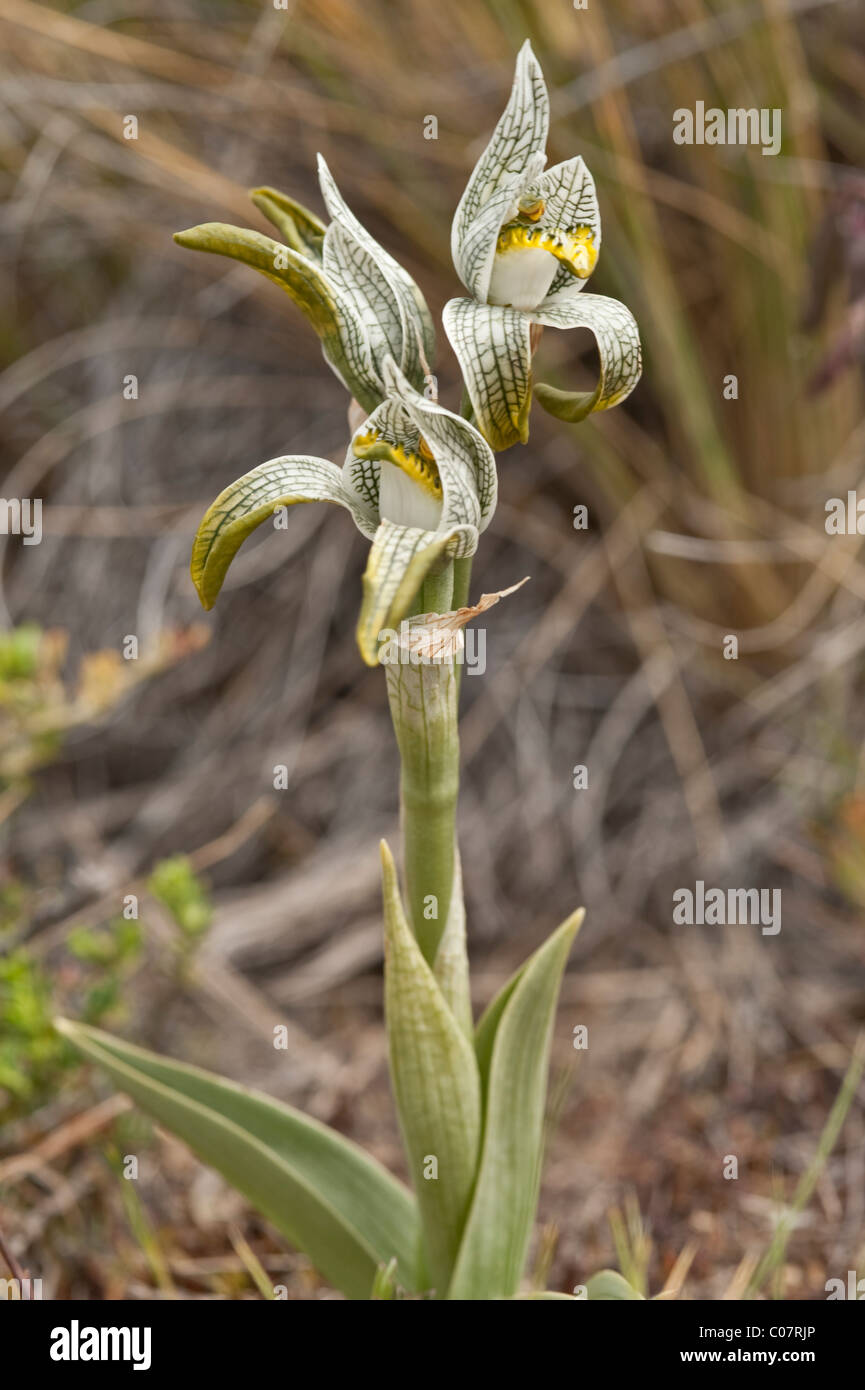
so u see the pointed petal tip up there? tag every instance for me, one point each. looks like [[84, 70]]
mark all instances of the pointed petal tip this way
[[206, 599]]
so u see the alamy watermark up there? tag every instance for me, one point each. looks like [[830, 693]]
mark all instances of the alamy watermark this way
[[736, 126], [77, 1343], [719, 907], [852, 1288], [417, 645], [845, 516], [20, 1290], [21, 516]]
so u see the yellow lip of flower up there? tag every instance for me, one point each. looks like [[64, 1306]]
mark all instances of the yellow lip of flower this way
[[418, 465], [576, 250]]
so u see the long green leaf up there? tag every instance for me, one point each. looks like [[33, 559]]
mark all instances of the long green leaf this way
[[485, 1032], [497, 1233], [323, 1193], [435, 1080]]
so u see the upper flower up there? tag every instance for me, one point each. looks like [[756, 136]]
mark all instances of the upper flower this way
[[361, 303], [524, 242], [419, 482], [520, 235]]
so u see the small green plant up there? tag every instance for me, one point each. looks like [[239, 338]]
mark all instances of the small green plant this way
[[175, 885], [420, 483], [33, 1057]]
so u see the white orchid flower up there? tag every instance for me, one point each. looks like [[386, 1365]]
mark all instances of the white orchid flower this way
[[419, 482], [524, 242], [361, 303]]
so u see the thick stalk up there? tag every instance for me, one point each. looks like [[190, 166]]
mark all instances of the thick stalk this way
[[460, 597], [462, 580], [423, 707], [423, 703]]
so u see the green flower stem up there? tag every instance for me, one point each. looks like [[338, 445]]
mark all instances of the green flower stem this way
[[423, 703], [437, 591], [462, 581], [460, 598]]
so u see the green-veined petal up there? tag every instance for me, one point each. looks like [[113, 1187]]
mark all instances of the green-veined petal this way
[[384, 295], [250, 500], [331, 313], [478, 246], [514, 156], [493, 347], [399, 561], [568, 192], [618, 341], [435, 1081], [465, 461]]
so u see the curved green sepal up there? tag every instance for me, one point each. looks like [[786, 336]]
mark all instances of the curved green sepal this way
[[399, 561], [343, 339], [570, 406], [298, 227], [324, 1194], [252, 499], [617, 340], [286, 267]]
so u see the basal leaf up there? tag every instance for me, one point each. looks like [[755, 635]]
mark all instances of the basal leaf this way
[[498, 1229], [435, 1080], [322, 1192]]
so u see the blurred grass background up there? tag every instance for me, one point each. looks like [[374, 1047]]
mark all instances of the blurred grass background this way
[[706, 520]]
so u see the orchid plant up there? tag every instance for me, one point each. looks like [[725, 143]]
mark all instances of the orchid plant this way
[[419, 481]]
